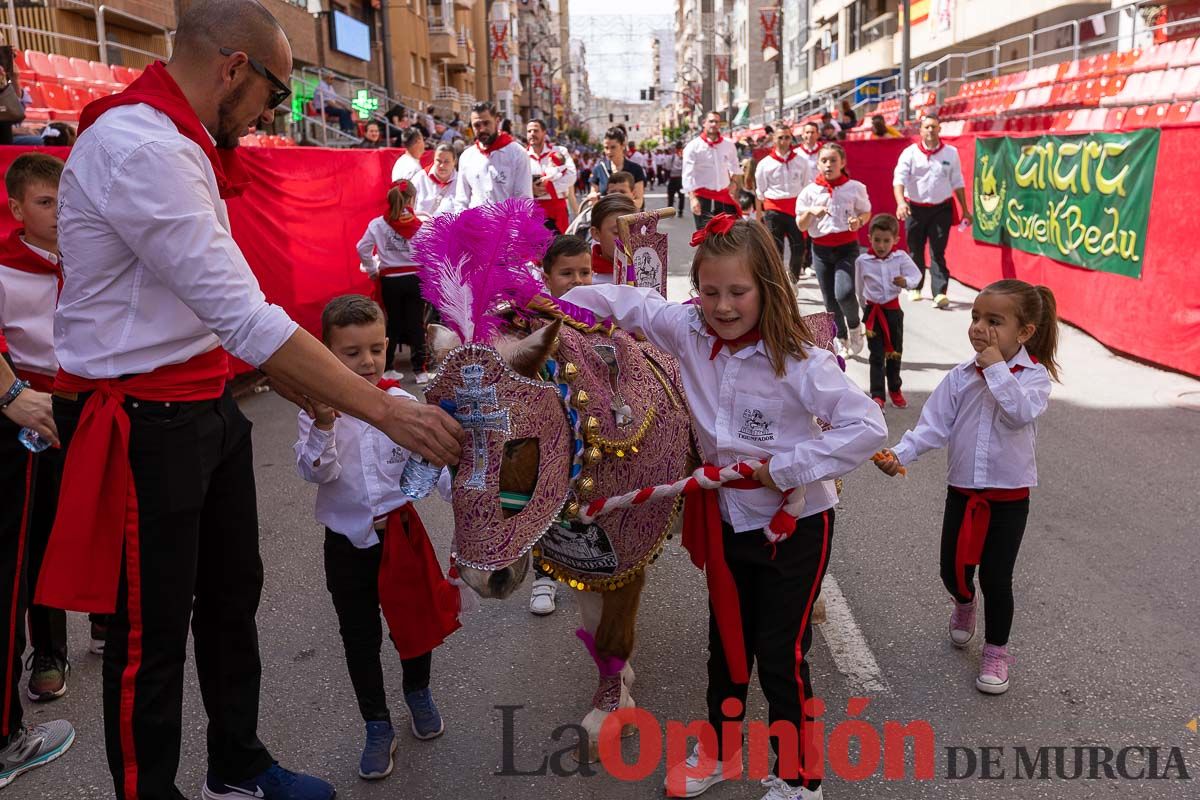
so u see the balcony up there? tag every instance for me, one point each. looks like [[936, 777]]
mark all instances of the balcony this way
[[875, 57], [447, 94], [466, 5], [443, 39], [465, 58]]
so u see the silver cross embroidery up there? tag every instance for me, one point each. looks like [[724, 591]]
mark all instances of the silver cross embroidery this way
[[471, 398]]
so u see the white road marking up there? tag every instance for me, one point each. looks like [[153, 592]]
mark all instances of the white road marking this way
[[846, 643]]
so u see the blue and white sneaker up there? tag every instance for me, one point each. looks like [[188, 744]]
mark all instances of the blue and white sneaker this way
[[426, 721], [32, 746], [376, 761], [276, 783]]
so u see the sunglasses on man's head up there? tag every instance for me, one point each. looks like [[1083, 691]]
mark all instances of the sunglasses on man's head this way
[[281, 92]]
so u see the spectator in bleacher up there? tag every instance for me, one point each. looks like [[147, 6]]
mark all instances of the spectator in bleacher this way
[[881, 130], [848, 118], [495, 168], [927, 180], [6, 128], [409, 164], [372, 136], [831, 132], [330, 103]]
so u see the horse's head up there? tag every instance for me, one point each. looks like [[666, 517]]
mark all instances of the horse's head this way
[[513, 478]]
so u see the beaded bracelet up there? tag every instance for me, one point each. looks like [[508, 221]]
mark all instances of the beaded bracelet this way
[[13, 392]]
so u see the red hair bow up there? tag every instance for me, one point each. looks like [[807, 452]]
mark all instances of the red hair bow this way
[[721, 223], [401, 184]]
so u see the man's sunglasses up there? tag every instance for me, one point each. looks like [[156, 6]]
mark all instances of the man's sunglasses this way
[[281, 92]]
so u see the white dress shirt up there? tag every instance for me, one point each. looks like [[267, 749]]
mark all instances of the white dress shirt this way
[[988, 422], [382, 248], [810, 158], [675, 165], [432, 198], [358, 470], [406, 167], [848, 200], [151, 273], [492, 177], [873, 276], [27, 302], [709, 166], [929, 180], [776, 179], [741, 410], [557, 179]]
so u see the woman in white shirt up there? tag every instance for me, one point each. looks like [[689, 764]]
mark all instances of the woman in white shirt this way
[[435, 186]]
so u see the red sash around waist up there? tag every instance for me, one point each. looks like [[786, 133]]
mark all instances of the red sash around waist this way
[[875, 316], [785, 205], [719, 196], [972, 533], [836, 239], [421, 607], [407, 269], [97, 507]]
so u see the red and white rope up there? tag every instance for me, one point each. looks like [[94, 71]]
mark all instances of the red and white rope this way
[[706, 477]]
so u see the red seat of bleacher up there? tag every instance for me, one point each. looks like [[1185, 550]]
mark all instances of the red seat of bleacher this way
[[67, 74], [40, 67], [105, 76], [1062, 120], [60, 103], [39, 111], [125, 75], [19, 61], [1178, 113], [1115, 119], [1089, 92], [1135, 118]]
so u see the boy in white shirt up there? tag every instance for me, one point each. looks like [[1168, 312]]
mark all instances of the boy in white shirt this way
[[377, 553], [879, 275]]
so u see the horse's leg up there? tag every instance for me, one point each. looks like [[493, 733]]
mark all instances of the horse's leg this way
[[611, 647]]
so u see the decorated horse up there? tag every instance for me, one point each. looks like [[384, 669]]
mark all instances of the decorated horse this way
[[561, 412]]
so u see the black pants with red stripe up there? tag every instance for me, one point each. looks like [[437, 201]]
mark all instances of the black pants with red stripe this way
[[18, 476], [196, 561], [776, 591]]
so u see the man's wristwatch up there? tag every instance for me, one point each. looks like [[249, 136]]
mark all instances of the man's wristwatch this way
[[13, 392]]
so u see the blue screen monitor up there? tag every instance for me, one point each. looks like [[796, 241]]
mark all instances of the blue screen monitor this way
[[349, 36]]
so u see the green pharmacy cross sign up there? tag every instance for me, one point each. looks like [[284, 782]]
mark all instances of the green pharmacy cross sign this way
[[364, 104]]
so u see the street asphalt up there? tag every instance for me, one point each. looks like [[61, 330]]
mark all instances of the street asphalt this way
[[1105, 655]]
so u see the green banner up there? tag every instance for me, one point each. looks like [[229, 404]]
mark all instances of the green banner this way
[[1083, 199]]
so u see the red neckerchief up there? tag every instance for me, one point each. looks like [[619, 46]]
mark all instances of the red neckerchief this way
[[406, 226], [749, 337], [387, 383], [600, 264], [1013, 369], [711, 143], [433, 177], [15, 253], [816, 149], [921, 146], [550, 153], [503, 139], [832, 184], [157, 89], [775, 155]]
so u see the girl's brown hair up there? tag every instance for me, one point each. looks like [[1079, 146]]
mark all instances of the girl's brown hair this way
[[609, 205], [834, 146], [783, 330], [400, 198], [1035, 306]]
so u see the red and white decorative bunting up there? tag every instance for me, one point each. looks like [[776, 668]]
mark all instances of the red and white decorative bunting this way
[[770, 26], [498, 33]]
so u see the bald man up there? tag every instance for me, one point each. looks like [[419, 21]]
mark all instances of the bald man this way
[[157, 522]]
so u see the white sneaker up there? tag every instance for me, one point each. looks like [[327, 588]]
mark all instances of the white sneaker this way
[[915, 295], [941, 301], [393, 375], [682, 775], [857, 342], [541, 601], [777, 789], [423, 378]]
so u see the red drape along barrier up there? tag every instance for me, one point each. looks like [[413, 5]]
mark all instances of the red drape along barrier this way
[[299, 221]]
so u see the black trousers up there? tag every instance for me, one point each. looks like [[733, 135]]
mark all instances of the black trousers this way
[[881, 362], [783, 228], [18, 476], [196, 560], [709, 209], [47, 626], [405, 318], [776, 590], [931, 224], [997, 563], [675, 193], [352, 578], [835, 275]]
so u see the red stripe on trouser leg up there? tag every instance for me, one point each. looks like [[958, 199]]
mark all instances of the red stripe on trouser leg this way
[[799, 649], [133, 650], [26, 512]]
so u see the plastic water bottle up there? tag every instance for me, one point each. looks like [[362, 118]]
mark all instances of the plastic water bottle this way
[[32, 440], [419, 478]]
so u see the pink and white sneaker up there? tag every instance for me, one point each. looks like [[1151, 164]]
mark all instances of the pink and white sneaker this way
[[993, 672], [962, 623]]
